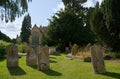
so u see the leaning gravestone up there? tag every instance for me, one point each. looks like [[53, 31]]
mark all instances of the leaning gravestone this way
[[12, 55], [31, 58], [74, 49], [97, 59], [43, 58]]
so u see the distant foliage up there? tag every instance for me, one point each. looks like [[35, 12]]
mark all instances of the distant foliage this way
[[23, 48], [3, 45], [4, 37]]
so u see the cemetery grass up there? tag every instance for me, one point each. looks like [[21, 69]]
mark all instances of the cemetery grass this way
[[61, 68]]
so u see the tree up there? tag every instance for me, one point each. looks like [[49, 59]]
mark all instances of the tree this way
[[105, 23], [98, 25], [26, 29], [111, 14], [68, 26], [10, 9], [4, 37]]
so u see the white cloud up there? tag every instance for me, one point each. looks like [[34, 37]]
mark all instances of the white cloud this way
[[11, 29], [59, 6], [89, 3], [100, 1]]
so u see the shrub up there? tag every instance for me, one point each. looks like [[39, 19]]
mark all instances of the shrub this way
[[23, 48], [3, 45], [115, 55]]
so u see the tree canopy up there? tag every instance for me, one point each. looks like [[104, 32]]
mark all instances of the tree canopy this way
[[105, 23], [70, 26], [10, 9]]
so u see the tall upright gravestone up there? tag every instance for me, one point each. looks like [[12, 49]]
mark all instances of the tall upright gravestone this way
[[38, 54], [12, 55], [43, 58], [31, 58], [34, 41], [97, 59]]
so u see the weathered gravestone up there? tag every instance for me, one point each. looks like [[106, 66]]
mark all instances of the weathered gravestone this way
[[31, 58], [12, 55], [74, 49], [43, 58], [34, 41], [97, 59]]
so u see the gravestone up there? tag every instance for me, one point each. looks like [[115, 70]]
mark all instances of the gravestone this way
[[52, 50], [43, 58], [74, 49], [34, 41], [31, 58], [98, 59], [12, 55]]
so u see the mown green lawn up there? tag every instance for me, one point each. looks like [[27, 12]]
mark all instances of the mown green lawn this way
[[61, 68]]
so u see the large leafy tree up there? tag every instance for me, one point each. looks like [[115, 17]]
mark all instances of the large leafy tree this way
[[26, 28], [10, 9], [68, 26]]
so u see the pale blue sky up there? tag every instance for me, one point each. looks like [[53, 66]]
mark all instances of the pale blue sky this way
[[40, 11]]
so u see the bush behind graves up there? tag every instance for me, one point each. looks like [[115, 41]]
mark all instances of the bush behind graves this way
[[23, 48], [3, 45]]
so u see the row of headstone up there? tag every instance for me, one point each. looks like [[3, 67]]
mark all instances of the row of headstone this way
[[97, 58], [39, 56]]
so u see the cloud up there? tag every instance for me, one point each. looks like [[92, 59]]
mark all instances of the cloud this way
[[100, 1], [91, 3], [11, 29], [59, 6]]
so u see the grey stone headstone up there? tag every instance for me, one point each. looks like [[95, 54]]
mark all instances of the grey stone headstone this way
[[31, 58], [98, 59], [43, 58], [12, 55]]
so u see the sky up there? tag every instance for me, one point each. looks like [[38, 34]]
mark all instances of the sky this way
[[40, 11]]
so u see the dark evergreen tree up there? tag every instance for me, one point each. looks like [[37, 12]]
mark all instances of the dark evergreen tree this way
[[26, 29], [105, 23]]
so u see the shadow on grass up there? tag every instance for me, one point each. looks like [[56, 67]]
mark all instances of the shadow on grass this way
[[34, 67], [2, 58], [52, 61], [112, 74], [51, 72], [52, 57], [17, 71]]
